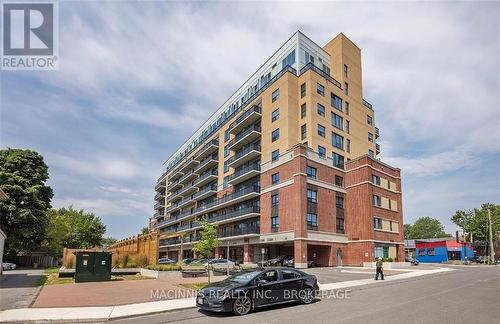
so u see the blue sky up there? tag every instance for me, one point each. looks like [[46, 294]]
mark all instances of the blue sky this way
[[136, 79]]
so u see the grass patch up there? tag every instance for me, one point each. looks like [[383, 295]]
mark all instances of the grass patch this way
[[164, 267], [51, 277], [194, 286]]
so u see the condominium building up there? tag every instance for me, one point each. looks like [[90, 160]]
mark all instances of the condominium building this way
[[287, 166]]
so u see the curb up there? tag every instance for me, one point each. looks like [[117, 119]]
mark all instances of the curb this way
[[106, 313]]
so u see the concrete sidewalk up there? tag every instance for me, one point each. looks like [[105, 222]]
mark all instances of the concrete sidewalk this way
[[113, 312]]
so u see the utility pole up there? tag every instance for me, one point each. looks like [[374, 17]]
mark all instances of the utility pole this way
[[228, 257], [492, 250]]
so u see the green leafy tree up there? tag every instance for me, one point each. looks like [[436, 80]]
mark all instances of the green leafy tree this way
[[74, 229], [476, 221], [427, 227], [144, 230], [23, 175], [107, 241], [406, 230], [208, 242]]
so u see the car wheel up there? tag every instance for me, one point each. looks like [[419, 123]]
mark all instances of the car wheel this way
[[306, 296], [242, 305]]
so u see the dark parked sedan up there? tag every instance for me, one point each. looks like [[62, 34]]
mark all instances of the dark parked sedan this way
[[257, 288]]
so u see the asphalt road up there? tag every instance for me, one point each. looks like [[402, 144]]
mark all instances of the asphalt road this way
[[18, 288], [466, 295]]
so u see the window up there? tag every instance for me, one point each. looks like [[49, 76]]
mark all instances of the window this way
[[311, 172], [347, 110], [421, 252], [337, 121], [302, 90], [321, 110], [376, 180], [376, 201], [275, 178], [275, 135], [321, 130], [276, 95], [275, 199], [275, 115], [347, 127], [346, 88], [320, 89], [303, 132], [269, 276], [390, 226], [275, 223], [275, 155], [225, 182], [430, 251], [370, 137], [371, 153], [326, 69], [312, 221], [369, 120], [338, 160], [226, 167], [339, 201], [346, 70], [312, 196], [226, 151], [290, 274], [288, 60], [348, 145], [303, 111], [377, 223], [336, 102], [337, 141], [321, 151], [226, 135], [339, 181]]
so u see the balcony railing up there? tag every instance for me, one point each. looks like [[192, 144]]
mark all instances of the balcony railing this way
[[208, 148], [203, 164], [204, 191], [234, 214], [187, 177], [367, 104], [254, 147], [242, 135], [377, 147], [243, 171], [320, 72], [159, 185], [159, 205], [249, 116], [159, 195], [204, 176], [240, 231]]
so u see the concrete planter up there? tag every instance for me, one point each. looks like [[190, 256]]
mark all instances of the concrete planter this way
[[389, 265], [160, 274]]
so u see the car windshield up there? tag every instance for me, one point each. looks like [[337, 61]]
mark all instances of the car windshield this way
[[243, 277]]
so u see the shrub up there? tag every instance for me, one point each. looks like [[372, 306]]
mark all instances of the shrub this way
[[141, 260], [131, 264], [124, 261], [164, 267]]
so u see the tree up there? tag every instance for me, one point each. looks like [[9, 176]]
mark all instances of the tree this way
[[406, 230], [427, 227], [107, 241], [208, 242], [144, 230], [74, 229], [476, 221], [23, 174]]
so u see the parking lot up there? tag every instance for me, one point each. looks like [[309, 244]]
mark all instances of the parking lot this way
[[18, 288]]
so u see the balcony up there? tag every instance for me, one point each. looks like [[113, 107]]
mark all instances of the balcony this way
[[235, 197], [377, 147], [174, 185], [205, 192], [160, 213], [206, 178], [244, 174], [160, 185], [244, 155], [160, 195], [248, 135], [243, 213], [187, 190], [367, 104], [208, 149], [208, 163], [246, 119], [159, 205], [188, 177], [189, 164], [377, 132], [240, 231]]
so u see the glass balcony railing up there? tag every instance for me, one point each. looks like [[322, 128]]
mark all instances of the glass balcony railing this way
[[204, 176], [244, 135], [243, 171], [208, 148], [240, 231], [241, 153]]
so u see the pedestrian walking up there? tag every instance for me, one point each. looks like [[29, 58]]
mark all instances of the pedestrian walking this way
[[380, 268]]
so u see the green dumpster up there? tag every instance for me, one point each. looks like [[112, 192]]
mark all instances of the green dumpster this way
[[93, 266]]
